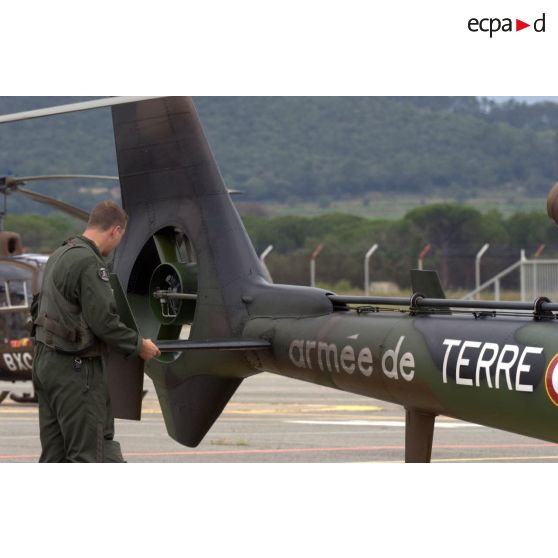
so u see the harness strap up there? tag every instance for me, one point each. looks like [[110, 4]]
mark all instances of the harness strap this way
[[52, 326]]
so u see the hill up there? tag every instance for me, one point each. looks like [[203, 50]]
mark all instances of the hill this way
[[317, 148]]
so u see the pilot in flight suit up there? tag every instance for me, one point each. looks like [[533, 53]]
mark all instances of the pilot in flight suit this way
[[75, 319]]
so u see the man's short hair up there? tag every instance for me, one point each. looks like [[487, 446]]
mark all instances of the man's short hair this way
[[107, 214]]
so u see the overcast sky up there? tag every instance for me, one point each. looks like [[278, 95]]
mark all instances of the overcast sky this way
[[526, 99]]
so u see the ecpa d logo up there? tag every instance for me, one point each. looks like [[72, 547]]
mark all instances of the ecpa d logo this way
[[493, 25]]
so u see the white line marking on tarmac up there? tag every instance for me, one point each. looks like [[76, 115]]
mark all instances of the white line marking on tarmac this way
[[396, 423]]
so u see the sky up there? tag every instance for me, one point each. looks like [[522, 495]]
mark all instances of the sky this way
[[529, 100]]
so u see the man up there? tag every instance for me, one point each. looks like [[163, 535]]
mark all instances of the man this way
[[75, 320]]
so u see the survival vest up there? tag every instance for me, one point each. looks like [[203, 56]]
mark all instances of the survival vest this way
[[59, 324]]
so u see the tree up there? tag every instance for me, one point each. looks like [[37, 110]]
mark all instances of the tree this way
[[446, 225]]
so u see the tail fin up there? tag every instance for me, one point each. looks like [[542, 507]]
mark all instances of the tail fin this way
[[182, 221], [169, 179]]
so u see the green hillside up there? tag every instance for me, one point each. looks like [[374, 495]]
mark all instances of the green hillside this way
[[319, 149]]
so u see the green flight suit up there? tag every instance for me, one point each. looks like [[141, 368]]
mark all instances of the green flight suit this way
[[75, 417]]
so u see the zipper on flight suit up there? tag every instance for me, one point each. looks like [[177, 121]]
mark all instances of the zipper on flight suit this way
[[79, 366]]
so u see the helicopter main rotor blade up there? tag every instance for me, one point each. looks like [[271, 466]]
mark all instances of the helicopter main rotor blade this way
[[19, 179], [69, 209], [14, 181], [74, 107]]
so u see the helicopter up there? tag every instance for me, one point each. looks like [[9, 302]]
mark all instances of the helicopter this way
[[20, 277], [187, 260]]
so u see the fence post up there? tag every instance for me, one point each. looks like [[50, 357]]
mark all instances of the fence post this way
[[522, 275], [313, 257], [477, 268], [263, 256], [423, 253], [265, 253], [535, 271], [367, 269]]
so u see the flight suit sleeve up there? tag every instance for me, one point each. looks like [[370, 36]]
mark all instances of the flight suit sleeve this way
[[100, 313]]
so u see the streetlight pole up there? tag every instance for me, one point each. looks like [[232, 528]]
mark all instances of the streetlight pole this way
[[367, 269], [313, 257], [478, 257]]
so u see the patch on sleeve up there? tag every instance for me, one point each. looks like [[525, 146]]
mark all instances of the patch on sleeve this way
[[103, 274]]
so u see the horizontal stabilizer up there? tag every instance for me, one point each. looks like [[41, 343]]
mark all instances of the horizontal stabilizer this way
[[216, 345]]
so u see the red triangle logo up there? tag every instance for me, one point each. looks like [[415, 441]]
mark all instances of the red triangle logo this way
[[519, 25]]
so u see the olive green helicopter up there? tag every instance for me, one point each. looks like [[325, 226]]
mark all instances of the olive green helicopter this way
[[186, 260]]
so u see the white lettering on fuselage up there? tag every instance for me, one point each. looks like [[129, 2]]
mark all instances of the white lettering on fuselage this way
[[465, 362], [329, 357], [18, 362], [478, 362]]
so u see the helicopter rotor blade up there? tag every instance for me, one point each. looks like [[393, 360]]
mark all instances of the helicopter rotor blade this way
[[73, 107], [69, 209], [17, 180]]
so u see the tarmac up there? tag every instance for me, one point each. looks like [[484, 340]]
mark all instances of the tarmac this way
[[272, 419]]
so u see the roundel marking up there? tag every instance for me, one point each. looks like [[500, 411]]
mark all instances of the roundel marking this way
[[551, 380]]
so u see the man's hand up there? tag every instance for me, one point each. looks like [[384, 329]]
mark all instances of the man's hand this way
[[149, 350]]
